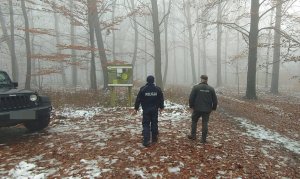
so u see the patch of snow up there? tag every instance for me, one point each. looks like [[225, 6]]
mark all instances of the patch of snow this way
[[23, 170], [87, 113], [157, 175], [262, 133], [136, 171], [174, 169], [163, 158], [171, 105]]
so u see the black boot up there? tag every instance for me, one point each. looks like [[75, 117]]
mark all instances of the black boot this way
[[191, 137], [154, 139], [203, 138]]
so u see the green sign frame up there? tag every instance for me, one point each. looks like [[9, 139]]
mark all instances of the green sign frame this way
[[120, 75]]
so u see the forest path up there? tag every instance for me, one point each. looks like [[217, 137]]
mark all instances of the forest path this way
[[106, 143]]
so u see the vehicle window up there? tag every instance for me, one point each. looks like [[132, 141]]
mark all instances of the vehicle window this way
[[4, 79]]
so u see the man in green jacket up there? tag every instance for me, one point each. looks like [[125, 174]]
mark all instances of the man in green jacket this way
[[202, 101]]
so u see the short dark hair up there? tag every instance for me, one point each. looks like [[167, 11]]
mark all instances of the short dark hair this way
[[204, 77], [150, 79]]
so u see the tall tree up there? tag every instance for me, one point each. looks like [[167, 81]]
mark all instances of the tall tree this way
[[252, 54], [57, 33], [27, 42], [100, 43], [33, 62], [204, 36], [15, 66], [73, 51], [225, 55], [268, 53], [219, 39], [10, 40], [276, 52], [113, 32], [191, 41], [198, 42], [92, 42], [166, 21], [136, 36], [157, 44]]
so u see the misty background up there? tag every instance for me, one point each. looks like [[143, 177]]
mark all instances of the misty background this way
[[68, 44]]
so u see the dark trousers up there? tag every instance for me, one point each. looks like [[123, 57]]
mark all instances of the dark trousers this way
[[150, 123], [195, 117]]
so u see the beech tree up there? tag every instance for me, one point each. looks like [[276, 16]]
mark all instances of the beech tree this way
[[27, 43], [157, 44], [187, 12], [10, 40]]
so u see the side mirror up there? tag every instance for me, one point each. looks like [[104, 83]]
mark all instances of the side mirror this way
[[15, 84]]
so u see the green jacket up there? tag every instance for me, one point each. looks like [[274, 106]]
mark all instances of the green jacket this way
[[203, 98]]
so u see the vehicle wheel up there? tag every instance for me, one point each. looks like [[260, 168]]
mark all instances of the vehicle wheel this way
[[38, 124]]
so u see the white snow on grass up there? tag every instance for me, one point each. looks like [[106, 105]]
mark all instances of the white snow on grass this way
[[86, 113], [171, 105], [176, 169], [24, 170], [136, 171], [262, 133]]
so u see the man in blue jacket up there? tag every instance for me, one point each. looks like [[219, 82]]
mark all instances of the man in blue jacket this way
[[202, 101], [151, 98]]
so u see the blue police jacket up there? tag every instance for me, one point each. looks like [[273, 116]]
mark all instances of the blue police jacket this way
[[150, 96]]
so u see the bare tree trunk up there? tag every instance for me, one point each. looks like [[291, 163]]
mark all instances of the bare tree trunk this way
[[27, 42], [268, 53], [15, 66], [252, 55], [191, 41], [225, 55], [157, 44], [100, 42], [175, 78], [33, 62], [219, 39], [92, 41], [10, 41], [63, 74], [237, 62], [136, 37], [166, 43], [185, 76], [204, 29], [145, 46], [198, 46], [276, 52], [113, 32], [73, 52]]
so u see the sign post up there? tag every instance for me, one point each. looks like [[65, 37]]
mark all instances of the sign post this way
[[120, 75]]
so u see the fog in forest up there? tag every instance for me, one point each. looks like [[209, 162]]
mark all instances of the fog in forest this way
[[69, 44]]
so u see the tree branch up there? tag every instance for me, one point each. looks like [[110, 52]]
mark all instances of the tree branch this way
[[271, 8], [167, 14], [284, 34]]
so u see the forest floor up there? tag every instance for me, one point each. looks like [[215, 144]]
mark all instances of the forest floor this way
[[247, 139]]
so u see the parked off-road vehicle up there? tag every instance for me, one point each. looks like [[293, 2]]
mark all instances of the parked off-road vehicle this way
[[20, 106]]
